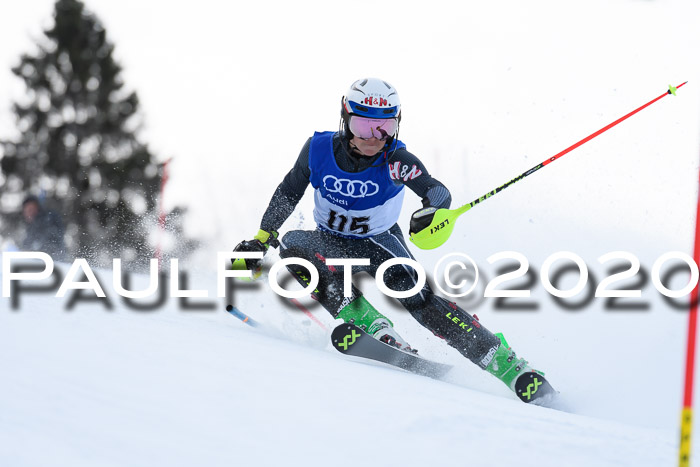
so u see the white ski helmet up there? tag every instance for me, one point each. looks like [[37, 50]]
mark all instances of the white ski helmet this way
[[370, 97]]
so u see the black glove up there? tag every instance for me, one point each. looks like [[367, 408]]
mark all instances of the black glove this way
[[260, 243], [421, 219]]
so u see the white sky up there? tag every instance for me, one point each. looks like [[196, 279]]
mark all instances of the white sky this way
[[488, 89]]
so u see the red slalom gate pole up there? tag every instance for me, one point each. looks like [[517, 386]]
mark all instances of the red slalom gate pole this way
[[687, 411]]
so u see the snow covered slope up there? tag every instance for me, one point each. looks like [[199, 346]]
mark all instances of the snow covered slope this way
[[92, 386]]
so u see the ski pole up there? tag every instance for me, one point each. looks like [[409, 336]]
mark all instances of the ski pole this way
[[441, 228], [242, 316]]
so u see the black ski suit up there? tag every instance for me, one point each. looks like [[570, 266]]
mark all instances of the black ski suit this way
[[441, 317]]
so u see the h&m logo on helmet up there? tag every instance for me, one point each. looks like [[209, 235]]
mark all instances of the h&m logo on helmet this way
[[381, 102], [397, 171], [350, 188]]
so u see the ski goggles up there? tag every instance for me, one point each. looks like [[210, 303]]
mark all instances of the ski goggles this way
[[366, 128]]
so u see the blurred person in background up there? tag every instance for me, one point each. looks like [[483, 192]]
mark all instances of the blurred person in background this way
[[44, 229]]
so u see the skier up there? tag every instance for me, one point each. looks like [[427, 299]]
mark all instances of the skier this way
[[358, 175]]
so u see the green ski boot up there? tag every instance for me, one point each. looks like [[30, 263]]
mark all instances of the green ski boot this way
[[362, 314], [528, 384]]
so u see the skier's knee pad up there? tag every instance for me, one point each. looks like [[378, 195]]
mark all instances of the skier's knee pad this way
[[459, 329], [329, 292], [300, 272], [292, 246]]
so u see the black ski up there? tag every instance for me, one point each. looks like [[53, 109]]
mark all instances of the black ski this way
[[351, 340]]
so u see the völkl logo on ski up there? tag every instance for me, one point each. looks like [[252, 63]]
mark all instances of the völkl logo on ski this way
[[530, 391], [352, 337]]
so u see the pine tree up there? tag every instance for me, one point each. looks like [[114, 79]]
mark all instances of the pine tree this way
[[77, 140]]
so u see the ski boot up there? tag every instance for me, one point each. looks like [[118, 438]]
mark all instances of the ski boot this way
[[363, 315], [528, 384]]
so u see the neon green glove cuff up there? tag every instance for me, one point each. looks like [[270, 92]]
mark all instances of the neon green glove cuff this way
[[266, 238]]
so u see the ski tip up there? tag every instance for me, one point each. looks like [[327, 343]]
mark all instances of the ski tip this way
[[531, 386], [229, 307]]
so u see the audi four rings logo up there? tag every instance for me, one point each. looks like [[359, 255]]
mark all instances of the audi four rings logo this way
[[351, 188]]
